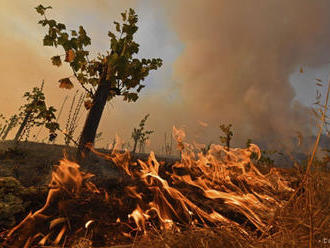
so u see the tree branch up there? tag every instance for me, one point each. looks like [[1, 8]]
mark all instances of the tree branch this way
[[82, 85]]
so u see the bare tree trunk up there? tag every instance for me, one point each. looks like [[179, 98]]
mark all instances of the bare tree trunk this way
[[134, 148], [3, 130], [228, 142], [21, 128], [93, 119]]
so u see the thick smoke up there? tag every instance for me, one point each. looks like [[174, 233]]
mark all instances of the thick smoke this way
[[238, 57], [234, 68]]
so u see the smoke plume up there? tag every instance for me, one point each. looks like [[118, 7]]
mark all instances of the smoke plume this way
[[238, 56], [234, 68]]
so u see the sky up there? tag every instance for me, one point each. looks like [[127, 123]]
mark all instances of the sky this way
[[224, 62]]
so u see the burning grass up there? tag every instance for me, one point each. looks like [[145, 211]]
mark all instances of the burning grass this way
[[217, 199]]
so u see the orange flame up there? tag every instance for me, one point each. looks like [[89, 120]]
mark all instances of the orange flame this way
[[203, 188]]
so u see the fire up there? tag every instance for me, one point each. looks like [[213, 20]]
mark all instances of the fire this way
[[216, 188], [140, 218], [66, 182]]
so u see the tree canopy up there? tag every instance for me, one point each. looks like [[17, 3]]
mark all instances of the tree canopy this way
[[124, 72]]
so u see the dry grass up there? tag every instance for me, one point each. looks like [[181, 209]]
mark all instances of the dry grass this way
[[290, 228], [292, 225], [308, 212]]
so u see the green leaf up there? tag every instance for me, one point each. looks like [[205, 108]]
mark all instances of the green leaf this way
[[131, 97], [48, 41], [52, 126], [41, 9], [56, 60], [43, 22], [113, 59], [93, 81], [119, 64], [117, 26], [51, 23], [140, 88], [111, 35], [61, 26], [64, 41], [114, 45], [124, 16]]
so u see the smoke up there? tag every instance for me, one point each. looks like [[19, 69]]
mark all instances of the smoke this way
[[237, 60], [234, 67]]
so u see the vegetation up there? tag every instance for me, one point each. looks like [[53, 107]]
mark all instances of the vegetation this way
[[140, 136], [9, 125], [228, 135], [300, 219], [116, 73], [206, 148], [126, 145], [33, 113], [12, 196], [36, 113], [265, 158], [71, 123], [2, 126]]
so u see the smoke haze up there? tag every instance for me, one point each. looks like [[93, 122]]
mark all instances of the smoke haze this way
[[238, 57], [233, 67]]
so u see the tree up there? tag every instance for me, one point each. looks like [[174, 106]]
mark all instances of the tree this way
[[116, 73], [228, 135], [2, 127], [139, 135], [36, 113], [10, 124]]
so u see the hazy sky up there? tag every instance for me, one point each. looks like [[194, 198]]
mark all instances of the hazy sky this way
[[224, 61]]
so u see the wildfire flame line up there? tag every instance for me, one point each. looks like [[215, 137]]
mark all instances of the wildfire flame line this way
[[219, 188]]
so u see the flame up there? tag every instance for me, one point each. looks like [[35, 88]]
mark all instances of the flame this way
[[140, 218], [224, 177], [88, 223], [219, 187], [66, 182]]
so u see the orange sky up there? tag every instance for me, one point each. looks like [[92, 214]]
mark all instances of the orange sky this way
[[223, 62]]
